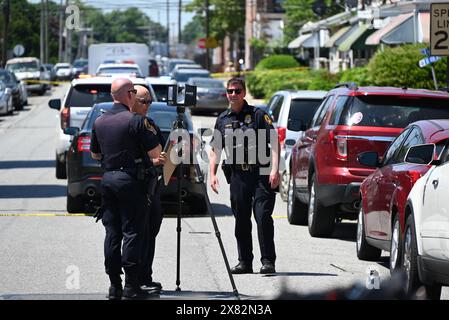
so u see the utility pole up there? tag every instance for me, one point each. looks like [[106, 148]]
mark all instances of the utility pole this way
[[42, 31], [61, 28], [68, 41], [179, 21], [207, 36], [6, 12], [168, 30], [46, 54]]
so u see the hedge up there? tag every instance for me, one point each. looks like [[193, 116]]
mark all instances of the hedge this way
[[279, 61]]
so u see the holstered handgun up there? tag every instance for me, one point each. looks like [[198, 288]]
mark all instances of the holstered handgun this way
[[227, 170]]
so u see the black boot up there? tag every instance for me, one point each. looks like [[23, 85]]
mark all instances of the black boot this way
[[132, 290], [115, 289]]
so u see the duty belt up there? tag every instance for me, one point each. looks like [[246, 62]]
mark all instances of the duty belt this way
[[245, 167]]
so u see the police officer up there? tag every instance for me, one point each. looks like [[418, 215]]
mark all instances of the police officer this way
[[154, 217], [119, 138], [251, 187]]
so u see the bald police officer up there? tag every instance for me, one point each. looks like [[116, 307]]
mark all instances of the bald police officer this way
[[119, 138]]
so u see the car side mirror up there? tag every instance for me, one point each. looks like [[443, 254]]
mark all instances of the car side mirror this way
[[296, 125], [369, 159], [55, 104], [71, 130], [421, 154], [290, 142]]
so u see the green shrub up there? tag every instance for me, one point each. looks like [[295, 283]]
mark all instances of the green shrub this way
[[281, 61], [398, 67], [357, 75], [322, 80]]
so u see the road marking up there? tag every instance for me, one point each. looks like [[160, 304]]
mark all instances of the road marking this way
[[46, 214]]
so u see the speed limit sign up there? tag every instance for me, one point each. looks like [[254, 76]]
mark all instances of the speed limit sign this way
[[439, 29]]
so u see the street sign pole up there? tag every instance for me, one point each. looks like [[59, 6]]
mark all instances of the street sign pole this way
[[439, 33]]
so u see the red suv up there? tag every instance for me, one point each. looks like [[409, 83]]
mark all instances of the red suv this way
[[326, 175]]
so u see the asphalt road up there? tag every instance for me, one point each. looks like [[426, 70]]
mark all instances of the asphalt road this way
[[48, 254]]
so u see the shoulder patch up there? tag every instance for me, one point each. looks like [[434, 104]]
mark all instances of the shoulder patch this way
[[149, 126], [267, 119]]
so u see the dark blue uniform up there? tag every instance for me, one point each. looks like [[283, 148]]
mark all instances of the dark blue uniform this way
[[249, 189], [122, 138], [154, 220]]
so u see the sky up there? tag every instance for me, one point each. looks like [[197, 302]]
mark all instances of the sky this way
[[155, 9]]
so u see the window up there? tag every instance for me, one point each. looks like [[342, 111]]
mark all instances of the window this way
[[321, 112], [301, 109], [414, 138], [394, 146], [276, 108], [88, 95], [336, 114]]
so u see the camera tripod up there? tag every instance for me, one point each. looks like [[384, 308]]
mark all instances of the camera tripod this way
[[179, 124]]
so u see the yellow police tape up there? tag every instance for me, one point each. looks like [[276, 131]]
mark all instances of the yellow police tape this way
[[45, 81]]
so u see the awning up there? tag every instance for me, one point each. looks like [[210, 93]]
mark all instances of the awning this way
[[358, 32], [312, 41], [299, 41], [330, 43], [346, 35], [374, 39], [410, 31]]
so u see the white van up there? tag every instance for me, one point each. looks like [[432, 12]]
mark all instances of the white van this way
[[31, 72]]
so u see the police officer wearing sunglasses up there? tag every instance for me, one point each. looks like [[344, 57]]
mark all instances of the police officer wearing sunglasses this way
[[154, 217], [119, 140], [252, 183]]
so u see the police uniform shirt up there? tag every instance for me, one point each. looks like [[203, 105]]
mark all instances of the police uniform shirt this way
[[158, 132], [121, 136], [249, 117]]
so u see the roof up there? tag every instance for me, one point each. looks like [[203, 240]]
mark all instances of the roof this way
[[106, 80], [349, 41], [160, 80], [306, 94], [192, 71], [24, 59], [399, 91], [118, 65]]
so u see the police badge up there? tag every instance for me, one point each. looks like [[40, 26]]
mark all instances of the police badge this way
[[267, 119], [248, 119], [150, 127]]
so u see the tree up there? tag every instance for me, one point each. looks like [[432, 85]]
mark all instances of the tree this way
[[193, 31], [299, 12]]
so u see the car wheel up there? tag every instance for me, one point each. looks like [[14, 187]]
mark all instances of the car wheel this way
[[75, 204], [61, 172], [296, 210], [365, 251], [320, 219], [395, 245], [283, 186], [410, 264]]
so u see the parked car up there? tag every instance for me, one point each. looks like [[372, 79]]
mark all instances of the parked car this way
[[160, 86], [84, 174], [79, 99], [128, 69], [425, 246], [171, 63], [211, 95], [326, 175], [6, 106], [31, 71], [51, 68], [291, 112], [63, 71], [79, 66], [186, 66], [10, 80], [183, 75], [384, 193]]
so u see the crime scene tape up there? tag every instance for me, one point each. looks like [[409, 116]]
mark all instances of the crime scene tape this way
[[44, 81]]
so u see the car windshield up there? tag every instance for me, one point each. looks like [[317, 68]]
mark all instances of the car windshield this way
[[118, 70], [87, 95], [391, 111], [304, 110], [184, 77], [208, 84], [161, 91], [23, 66], [80, 63]]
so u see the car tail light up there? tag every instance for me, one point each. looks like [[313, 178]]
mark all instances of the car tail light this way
[[281, 135], [65, 118], [83, 144], [414, 175], [341, 147]]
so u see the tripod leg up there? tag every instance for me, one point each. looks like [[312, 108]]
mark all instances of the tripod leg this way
[[217, 232], [178, 230]]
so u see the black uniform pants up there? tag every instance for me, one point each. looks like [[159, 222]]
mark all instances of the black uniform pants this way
[[153, 225], [124, 208], [250, 191]]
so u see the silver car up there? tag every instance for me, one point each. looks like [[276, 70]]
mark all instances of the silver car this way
[[211, 95], [6, 106]]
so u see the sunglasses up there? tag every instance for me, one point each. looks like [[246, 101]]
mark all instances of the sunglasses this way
[[148, 102], [236, 91], [133, 91]]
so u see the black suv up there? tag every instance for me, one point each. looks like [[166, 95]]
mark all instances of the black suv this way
[[84, 174]]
